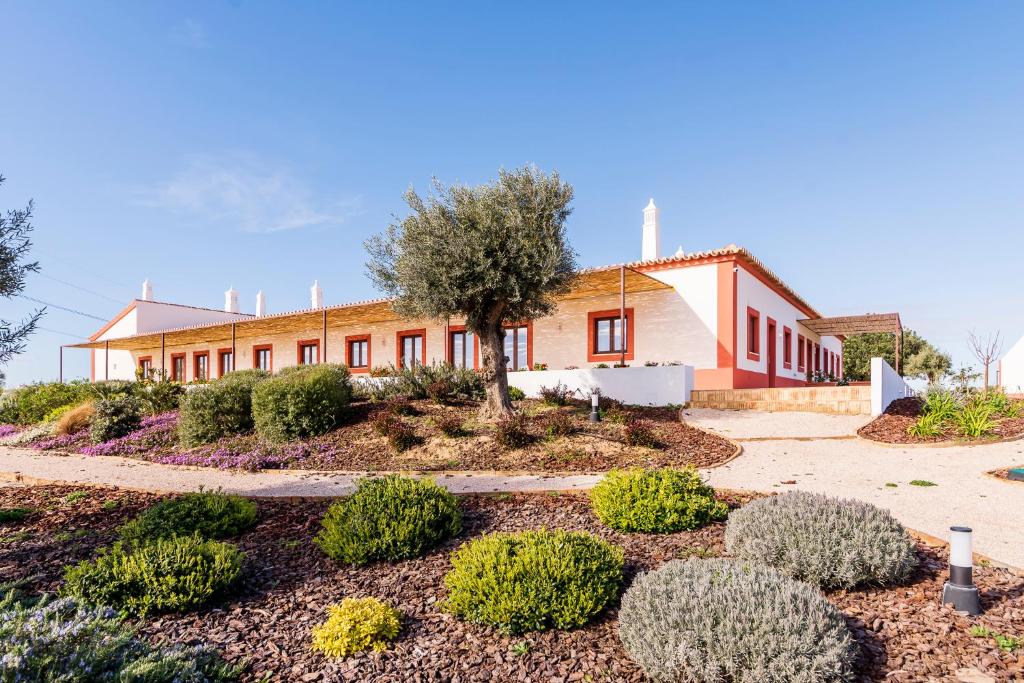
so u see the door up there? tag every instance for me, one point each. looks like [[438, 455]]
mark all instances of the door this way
[[771, 354]]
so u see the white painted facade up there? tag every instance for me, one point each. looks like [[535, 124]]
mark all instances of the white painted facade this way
[[653, 386], [886, 386], [1011, 369]]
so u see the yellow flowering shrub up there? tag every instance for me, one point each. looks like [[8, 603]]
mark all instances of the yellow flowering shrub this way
[[354, 625]]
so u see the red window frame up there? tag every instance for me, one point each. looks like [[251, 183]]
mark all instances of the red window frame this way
[[461, 329], [593, 317], [753, 334], [256, 356], [800, 353], [817, 358], [349, 339], [174, 367], [787, 348], [196, 355], [220, 360], [304, 343], [512, 327], [403, 334], [139, 364]]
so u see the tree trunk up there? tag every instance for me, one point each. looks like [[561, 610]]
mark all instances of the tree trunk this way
[[986, 377], [492, 351]]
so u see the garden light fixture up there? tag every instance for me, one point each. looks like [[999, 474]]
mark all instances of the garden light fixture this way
[[595, 399], [960, 589]]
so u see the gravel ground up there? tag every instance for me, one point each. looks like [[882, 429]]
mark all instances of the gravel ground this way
[[904, 633], [742, 425]]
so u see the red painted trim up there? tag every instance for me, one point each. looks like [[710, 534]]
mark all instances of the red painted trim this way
[[801, 361], [476, 346], [263, 347], [113, 321], [592, 318], [419, 332], [529, 340], [348, 352], [220, 360], [756, 353], [140, 359], [787, 347], [736, 378], [184, 370], [196, 355], [306, 342], [726, 326], [817, 357]]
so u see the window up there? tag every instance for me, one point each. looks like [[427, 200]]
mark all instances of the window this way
[[357, 352], [177, 367], [817, 358], [263, 357], [753, 334], [225, 362], [308, 351], [605, 338], [411, 348], [810, 356], [517, 343], [201, 366], [461, 348], [787, 348], [145, 366], [800, 353]]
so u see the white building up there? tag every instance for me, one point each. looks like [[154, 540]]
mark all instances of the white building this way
[[1011, 369]]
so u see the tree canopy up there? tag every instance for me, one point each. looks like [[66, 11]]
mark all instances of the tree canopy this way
[[493, 254], [15, 228], [918, 357]]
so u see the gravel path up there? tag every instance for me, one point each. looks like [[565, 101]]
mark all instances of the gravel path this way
[[808, 449]]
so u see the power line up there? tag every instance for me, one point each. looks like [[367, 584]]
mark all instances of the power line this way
[[63, 308], [87, 291], [78, 267], [66, 334]]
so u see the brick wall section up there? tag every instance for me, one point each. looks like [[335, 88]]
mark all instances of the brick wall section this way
[[852, 400]]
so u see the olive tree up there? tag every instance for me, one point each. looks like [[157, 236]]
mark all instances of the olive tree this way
[[15, 228], [492, 254]]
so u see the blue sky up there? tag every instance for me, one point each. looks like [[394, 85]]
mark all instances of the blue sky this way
[[869, 152]]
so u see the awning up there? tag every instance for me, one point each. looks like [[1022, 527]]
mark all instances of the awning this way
[[854, 324]]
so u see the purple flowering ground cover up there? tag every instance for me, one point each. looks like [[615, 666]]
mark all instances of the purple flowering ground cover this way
[[7, 430]]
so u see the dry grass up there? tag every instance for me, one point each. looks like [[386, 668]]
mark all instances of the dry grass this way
[[76, 419]]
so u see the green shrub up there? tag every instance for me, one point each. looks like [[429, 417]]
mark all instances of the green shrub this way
[[975, 420], [115, 417], [656, 501], [308, 401], [926, 426], [510, 432], [158, 396], [940, 403], [168, 574], [390, 518], [211, 515], [640, 432], [559, 424], [57, 641], [516, 394], [721, 620], [10, 515], [220, 408], [400, 434], [450, 424], [356, 625], [829, 542], [533, 580], [31, 403]]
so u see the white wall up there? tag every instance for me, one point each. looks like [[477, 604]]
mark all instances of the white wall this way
[[1011, 369], [152, 316], [656, 386], [750, 291], [697, 286], [886, 386]]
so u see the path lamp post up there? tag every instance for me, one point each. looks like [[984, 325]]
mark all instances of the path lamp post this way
[[595, 400], [960, 589]]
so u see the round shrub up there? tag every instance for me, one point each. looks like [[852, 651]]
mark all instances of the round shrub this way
[[391, 518], [115, 417], [221, 408], [307, 401], [31, 403], [826, 541], [211, 515], [720, 620], [656, 501], [168, 574], [356, 625], [533, 580]]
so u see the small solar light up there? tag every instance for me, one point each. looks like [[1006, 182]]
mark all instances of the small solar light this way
[[960, 589], [595, 400]]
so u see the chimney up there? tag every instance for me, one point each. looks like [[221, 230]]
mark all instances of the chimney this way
[[261, 304], [316, 295], [231, 300], [147, 290], [651, 247]]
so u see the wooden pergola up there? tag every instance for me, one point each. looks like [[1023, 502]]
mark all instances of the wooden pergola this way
[[846, 326], [619, 280]]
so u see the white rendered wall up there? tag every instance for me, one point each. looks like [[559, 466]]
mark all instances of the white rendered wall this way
[[697, 313], [122, 364], [657, 386], [886, 386], [153, 316], [1011, 369]]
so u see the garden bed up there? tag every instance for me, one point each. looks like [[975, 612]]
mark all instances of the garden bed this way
[[1004, 473], [904, 633], [355, 446], [893, 427]]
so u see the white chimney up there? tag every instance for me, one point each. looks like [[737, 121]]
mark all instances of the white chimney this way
[[147, 290], [261, 304], [651, 247], [316, 295], [231, 300]]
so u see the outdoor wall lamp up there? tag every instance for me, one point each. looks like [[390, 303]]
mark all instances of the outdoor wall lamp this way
[[595, 399], [960, 589]]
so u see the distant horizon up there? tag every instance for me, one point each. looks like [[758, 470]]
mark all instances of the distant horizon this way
[[868, 155]]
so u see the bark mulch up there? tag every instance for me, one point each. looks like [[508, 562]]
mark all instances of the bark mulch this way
[[905, 634], [892, 426]]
